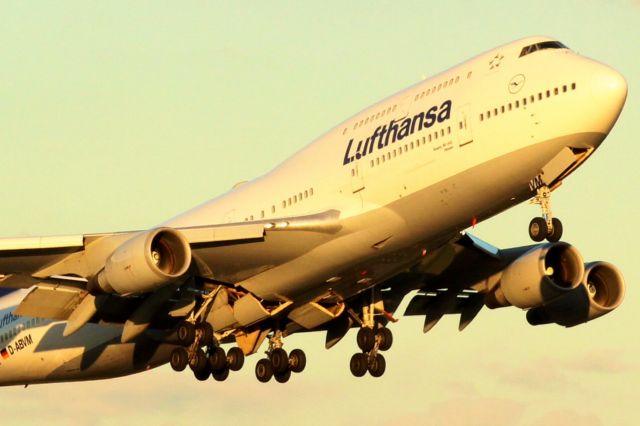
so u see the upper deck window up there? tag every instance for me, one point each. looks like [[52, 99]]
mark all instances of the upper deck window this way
[[542, 46]]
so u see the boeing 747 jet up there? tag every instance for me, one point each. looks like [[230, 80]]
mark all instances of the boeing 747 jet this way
[[335, 237]]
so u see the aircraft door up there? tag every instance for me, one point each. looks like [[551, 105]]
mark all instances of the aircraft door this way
[[463, 126], [357, 179]]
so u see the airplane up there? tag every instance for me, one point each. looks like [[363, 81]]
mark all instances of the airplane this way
[[336, 237]]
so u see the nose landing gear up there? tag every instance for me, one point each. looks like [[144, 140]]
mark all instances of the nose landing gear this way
[[546, 226]]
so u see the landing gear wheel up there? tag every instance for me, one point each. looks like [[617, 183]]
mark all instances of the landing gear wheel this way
[[220, 375], [386, 338], [283, 377], [264, 370], [377, 366], [186, 333], [206, 333], [556, 234], [358, 364], [217, 359], [280, 360], [366, 339], [235, 358], [538, 229], [203, 374], [179, 359], [199, 361], [297, 360]]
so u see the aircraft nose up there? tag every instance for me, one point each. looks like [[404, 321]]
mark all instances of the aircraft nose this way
[[609, 88]]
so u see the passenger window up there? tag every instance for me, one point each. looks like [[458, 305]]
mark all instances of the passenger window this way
[[488, 114], [311, 192], [540, 96], [481, 118], [450, 82], [284, 204], [449, 129], [261, 214], [510, 106], [289, 201], [573, 86], [502, 109], [564, 88], [306, 194], [555, 91], [495, 111], [371, 164], [411, 145], [273, 209], [378, 161], [444, 85], [518, 104], [457, 78], [532, 98], [442, 132], [524, 101], [469, 75], [435, 135]]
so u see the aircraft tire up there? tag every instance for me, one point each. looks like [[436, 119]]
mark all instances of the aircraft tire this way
[[235, 358], [186, 333], [366, 339], [264, 370], [203, 374], [199, 362], [358, 364], [217, 359], [556, 234], [538, 229], [179, 359], [283, 377], [297, 360], [280, 360], [386, 338], [206, 333], [378, 366], [220, 375]]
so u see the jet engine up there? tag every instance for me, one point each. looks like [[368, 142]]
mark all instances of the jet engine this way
[[540, 275], [144, 263], [600, 292]]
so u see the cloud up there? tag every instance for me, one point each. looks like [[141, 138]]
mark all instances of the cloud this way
[[477, 411], [563, 417]]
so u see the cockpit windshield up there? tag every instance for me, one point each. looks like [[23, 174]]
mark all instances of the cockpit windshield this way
[[542, 46]]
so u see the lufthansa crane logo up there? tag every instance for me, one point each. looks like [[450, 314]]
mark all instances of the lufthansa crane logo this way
[[516, 83]]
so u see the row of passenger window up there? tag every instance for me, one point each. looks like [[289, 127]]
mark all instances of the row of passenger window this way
[[380, 114], [526, 100], [396, 152], [31, 322], [373, 117], [288, 202], [443, 85]]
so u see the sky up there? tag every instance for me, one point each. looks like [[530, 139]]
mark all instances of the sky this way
[[119, 115]]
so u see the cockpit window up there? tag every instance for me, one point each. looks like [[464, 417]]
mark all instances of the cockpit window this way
[[541, 46]]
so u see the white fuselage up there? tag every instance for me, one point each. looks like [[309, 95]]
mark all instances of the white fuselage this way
[[411, 170]]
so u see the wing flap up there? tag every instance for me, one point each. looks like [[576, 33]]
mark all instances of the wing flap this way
[[52, 301]]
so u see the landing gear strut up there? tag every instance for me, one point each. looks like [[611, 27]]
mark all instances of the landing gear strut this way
[[278, 364], [546, 226]]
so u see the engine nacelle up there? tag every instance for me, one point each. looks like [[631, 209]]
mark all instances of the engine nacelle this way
[[144, 263], [600, 292], [540, 275]]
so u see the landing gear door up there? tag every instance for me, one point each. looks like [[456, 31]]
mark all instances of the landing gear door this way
[[463, 126]]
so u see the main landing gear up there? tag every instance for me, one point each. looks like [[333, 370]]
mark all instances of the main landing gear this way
[[372, 338], [200, 350], [278, 364], [546, 226]]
